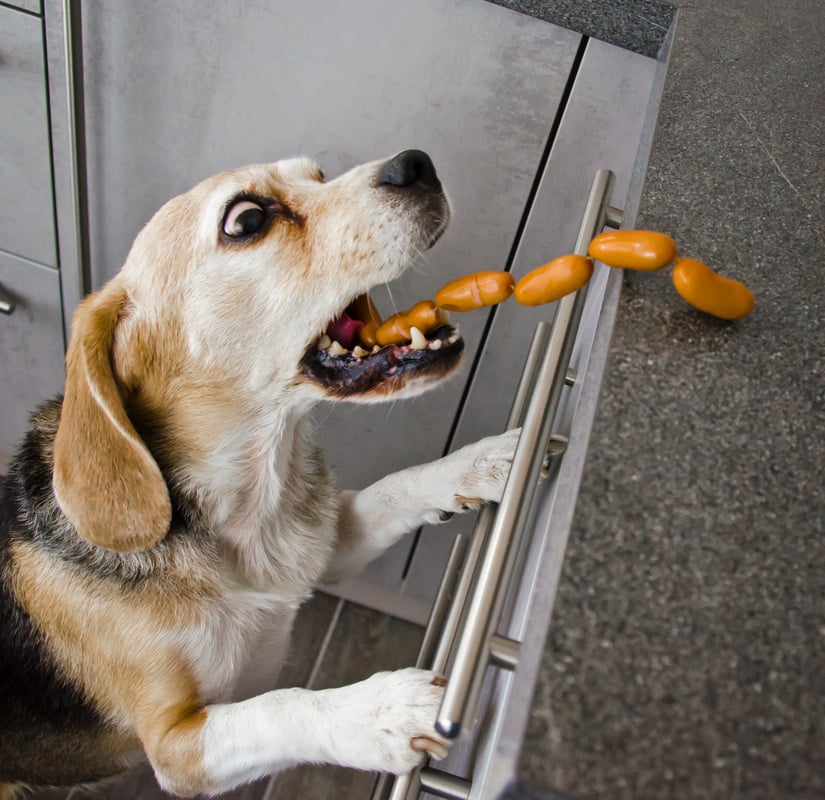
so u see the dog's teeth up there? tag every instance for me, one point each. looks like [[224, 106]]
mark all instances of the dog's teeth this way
[[435, 344], [453, 338], [335, 349], [324, 342], [359, 351], [375, 349], [419, 341]]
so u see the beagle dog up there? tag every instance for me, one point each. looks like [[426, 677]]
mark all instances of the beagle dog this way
[[172, 500]]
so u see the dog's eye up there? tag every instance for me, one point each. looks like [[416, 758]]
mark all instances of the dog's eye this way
[[243, 219]]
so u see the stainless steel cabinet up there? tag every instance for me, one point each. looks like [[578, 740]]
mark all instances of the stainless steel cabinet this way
[[175, 92], [31, 344], [31, 336], [34, 6], [27, 225]]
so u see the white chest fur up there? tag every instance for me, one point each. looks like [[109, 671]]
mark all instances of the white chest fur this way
[[238, 649]]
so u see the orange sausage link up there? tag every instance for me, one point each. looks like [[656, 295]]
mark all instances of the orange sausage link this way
[[643, 250], [367, 335], [366, 311], [709, 292], [475, 291], [551, 281], [423, 315], [393, 330]]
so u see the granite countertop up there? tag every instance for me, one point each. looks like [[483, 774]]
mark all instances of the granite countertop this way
[[686, 654]]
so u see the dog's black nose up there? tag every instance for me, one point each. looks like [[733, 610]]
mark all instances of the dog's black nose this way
[[407, 168]]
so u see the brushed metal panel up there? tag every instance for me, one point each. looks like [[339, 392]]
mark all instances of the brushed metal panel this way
[[177, 91], [32, 6], [26, 209], [31, 341], [601, 127]]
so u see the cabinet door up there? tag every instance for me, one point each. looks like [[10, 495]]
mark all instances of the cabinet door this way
[[26, 209], [31, 343], [176, 91]]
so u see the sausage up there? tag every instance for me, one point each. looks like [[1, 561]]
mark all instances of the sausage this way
[[365, 310], [700, 286], [367, 335], [643, 250], [393, 330], [551, 281], [475, 291], [424, 316], [397, 329]]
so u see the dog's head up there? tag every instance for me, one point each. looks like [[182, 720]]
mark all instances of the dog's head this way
[[221, 303]]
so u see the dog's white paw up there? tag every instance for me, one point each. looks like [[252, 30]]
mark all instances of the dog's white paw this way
[[490, 462], [393, 717], [476, 473]]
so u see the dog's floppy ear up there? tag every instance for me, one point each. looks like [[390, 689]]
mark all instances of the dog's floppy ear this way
[[105, 479]]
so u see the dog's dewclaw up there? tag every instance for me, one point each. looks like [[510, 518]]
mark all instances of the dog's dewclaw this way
[[475, 291], [709, 292], [551, 281], [642, 250]]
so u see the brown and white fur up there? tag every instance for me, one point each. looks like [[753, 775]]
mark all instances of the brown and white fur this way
[[172, 500]]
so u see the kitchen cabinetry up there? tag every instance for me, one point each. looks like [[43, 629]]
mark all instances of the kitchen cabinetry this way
[[176, 92], [518, 115], [31, 325]]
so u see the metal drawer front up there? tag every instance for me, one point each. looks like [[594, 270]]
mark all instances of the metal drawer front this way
[[475, 85], [31, 341], [26, 209]]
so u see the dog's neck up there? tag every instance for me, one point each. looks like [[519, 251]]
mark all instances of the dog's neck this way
[[250, 482]]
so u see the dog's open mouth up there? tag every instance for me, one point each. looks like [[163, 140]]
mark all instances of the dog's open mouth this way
[[347, 359]]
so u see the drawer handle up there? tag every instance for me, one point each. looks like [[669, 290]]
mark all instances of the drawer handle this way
[[6, 302], [460, 636], [472, 646]]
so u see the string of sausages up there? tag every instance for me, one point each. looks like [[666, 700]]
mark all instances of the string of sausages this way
[[640, 250]]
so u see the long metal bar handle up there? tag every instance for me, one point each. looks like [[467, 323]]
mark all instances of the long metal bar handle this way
[[472, 651], [451, 598], [441, 632]]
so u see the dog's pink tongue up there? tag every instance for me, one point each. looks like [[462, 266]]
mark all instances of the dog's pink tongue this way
[[345, 330]]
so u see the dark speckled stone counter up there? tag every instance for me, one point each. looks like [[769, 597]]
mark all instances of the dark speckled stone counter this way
[[686, 656]]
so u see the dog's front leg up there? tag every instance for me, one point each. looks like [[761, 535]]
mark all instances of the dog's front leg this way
[[383, 723], [376, 517]]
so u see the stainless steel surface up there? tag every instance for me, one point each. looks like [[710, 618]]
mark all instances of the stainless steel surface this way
[[191, 115], [600, 126], [26, 211], [613, 217], [32, 6], [484, 523], [63, 54], [605, 114], [442, 784], [471, 650], [442, 627], [6, 303], [494, 766], [31, 344], [75, 152], [441, 606], [504, 652]]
